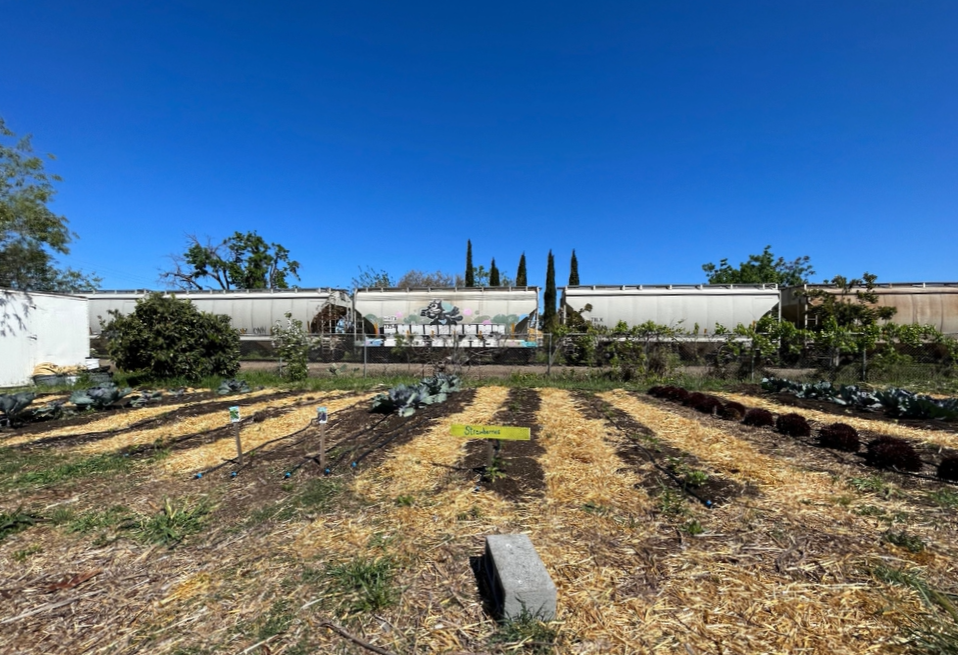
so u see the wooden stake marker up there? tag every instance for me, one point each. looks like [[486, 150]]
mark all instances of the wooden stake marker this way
[[322, 417], [235, 420]]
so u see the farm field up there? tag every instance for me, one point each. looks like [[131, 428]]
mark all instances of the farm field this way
[[665, 529]]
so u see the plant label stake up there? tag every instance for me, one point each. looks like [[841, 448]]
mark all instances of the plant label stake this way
[[496, 434], [321, 417], [235, 420]]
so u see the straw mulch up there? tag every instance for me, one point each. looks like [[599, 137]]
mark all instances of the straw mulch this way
[[113, 420], [255, 434], [179, 428], [778, 571], [940, 438]]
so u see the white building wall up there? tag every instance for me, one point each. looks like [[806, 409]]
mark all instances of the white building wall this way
[[37, 328]]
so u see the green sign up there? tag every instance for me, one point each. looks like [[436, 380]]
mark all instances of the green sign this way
[[505, 432], [234, 415]]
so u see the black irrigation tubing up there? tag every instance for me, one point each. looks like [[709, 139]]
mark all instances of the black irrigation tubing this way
[[402, 428], [684, 487], [251, 450], [345, 439]]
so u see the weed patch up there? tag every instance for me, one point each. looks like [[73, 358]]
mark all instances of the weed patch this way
[[363, 585], [528, 633], [173, 523]]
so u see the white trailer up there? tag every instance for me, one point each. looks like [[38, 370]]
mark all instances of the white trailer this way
[[252, 312], [443, 317], [682, 306], [38, 328]]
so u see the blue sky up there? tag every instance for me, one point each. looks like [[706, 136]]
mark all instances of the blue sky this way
[[650, 137]]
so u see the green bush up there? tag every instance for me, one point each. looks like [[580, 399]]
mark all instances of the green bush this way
[[169, 338]]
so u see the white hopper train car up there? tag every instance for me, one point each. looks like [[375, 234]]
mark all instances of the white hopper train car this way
[[252, 312], [674, 305], [443, 317]]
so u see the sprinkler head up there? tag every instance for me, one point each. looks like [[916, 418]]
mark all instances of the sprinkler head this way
[[233, 474], [287, 474], [708, 503], [326, 471], [353, 464], [199, 475]]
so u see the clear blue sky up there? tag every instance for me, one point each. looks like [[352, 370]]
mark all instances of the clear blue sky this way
[[651, 137]]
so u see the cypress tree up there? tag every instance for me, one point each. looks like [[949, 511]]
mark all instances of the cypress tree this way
[[470, 274], [521, 273], [549, 311], [574, 271], [493, 274]]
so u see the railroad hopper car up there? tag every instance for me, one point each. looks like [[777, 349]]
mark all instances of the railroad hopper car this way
[[925, 303], [446, 317], [686, 306], [252, 312]]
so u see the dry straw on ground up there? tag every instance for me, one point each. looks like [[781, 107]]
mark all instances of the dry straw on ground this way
[[934, 437], [776, 575], [255, 434]]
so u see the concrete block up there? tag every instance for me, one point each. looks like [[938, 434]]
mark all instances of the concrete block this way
[[517, 577]]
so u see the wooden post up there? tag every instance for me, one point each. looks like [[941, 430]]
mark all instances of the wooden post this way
[[235, 420], [321, 417]]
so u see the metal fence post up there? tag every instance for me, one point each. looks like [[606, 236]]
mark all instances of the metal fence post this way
[[864, 364], [364, 354], [549, 366]]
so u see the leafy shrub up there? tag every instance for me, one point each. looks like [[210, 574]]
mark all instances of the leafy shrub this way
[[758, 418], [166, 338], [693, 399], [948, 468], [793, 425], [839, 436], [708, 405], [292, 344], [733, 411], [892, 452]]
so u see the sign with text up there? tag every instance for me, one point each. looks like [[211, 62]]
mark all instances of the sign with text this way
[[234, 415], [505, 432], [321, 415]]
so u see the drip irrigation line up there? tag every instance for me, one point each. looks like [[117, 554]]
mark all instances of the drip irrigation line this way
[[684, 487], [253, 450], [399, 429]]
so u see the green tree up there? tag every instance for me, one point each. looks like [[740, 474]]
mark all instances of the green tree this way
[[470, 273], [574, 271], [493, 274], [549, 310], [521, 280], [370, 278], [761, 269], [30, 233], [168, 338], [852, 304], [414, 278], [242, 261]]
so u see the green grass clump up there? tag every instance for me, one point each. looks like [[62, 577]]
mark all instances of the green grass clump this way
[[364, 584], [16, 521], [910, 542], [173, 523], [526, 632]]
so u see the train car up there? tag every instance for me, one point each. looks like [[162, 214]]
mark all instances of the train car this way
[[925, 303], [444, 317], [252, 312], [684, 306]]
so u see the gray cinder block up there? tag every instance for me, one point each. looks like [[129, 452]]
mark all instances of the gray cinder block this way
[[517, 577]]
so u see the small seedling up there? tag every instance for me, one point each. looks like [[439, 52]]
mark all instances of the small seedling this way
[[693, 528], [22, 555], [404, 501], [696, 478], [495, 470], [872, 484], [595, 508]]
